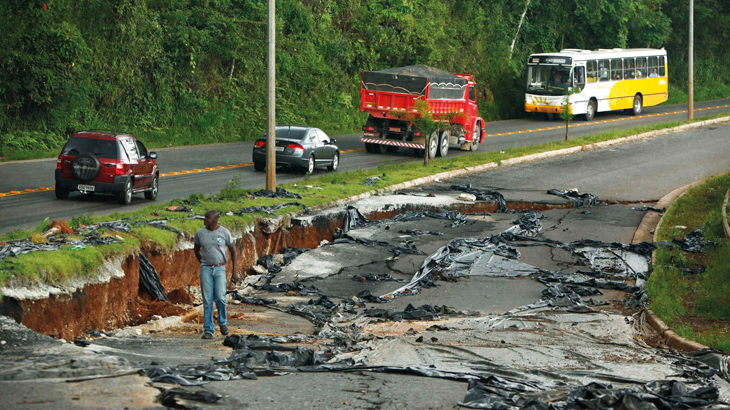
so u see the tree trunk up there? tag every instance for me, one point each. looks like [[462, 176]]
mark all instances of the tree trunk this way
[[514, 40], [233, 65], [425, 151]]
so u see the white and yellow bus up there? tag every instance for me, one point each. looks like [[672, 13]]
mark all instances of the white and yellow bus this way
[[602, 80]]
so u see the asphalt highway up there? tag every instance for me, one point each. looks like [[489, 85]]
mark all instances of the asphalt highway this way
[[26, 210]]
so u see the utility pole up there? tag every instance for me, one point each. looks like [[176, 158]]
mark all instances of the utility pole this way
[[690, 102], [271, 102]]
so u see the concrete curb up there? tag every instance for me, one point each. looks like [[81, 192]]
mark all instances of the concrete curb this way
[[725, 226], [651, 223]]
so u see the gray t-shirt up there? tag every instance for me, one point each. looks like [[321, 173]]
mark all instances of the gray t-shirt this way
[[213, 245]]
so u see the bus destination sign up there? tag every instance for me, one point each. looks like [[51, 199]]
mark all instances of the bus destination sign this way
[[551, 60]]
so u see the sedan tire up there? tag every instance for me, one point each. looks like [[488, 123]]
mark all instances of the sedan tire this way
[[310, 165], [335, 162]]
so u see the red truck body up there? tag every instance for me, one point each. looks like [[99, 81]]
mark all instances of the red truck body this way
[[391, 94]]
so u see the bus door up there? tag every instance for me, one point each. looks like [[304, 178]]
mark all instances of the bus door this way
[[579, 77]]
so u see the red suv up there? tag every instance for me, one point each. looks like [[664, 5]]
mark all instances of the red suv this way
[[106, 162]]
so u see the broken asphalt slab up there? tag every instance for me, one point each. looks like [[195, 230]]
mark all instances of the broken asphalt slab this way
[[382, 358]]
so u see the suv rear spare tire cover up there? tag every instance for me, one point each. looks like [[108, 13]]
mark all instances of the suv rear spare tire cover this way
[[86, 167]]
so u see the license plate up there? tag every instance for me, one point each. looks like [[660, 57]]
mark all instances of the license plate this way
[[86, 187], [279, 149], [394, 129]]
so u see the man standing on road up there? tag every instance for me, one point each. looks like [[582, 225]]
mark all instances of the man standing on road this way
[[211, 242]]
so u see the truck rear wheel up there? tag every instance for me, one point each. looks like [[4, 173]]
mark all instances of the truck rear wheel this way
[[433, 144], [391, 148], [376, 148], [368, 147], [443, 144]]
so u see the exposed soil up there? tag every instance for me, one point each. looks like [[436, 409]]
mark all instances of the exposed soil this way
[[121, 302], [146, 308]]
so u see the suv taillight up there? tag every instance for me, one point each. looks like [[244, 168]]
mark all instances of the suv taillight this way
[[259, 144], [58, 163], [296, 147], [119, 168]]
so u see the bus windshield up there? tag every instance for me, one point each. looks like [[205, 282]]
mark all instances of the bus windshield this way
[[548, 80]]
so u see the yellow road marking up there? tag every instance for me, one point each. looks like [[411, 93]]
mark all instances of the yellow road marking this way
[[603, 121], [241, 165]]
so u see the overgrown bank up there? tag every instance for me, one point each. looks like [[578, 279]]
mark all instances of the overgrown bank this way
[[691, 291], [192, 72]]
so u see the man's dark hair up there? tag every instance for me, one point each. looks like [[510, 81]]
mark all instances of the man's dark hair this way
[[211, 214]]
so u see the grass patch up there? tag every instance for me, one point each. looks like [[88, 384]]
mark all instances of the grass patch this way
[[691, 292], [39, 266], [679, 95]]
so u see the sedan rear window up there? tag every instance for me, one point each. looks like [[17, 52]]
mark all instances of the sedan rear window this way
[[85, 146], [291, 133]]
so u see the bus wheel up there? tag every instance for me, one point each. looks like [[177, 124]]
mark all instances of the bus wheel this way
[[638, 105], [591, 110]]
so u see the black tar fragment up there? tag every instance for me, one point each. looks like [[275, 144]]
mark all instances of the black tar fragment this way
[[483, 195], [280, 193], [150, 280], [579, 200]]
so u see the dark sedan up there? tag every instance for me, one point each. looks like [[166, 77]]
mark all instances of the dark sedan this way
[[299, 147]]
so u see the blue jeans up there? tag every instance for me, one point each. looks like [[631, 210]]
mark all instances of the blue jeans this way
[[213, 287]]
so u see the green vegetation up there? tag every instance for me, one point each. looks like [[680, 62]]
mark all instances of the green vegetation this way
[[43, 267], [190, 71], [691, 291]]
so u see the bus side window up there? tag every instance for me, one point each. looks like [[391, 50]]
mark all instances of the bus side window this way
[[617, 72], [629, 69], [592, 75], [603, 69], [653, 67], [641, 67], [661, 66]]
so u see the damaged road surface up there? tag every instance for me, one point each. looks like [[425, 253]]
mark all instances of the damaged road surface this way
[[442, 306], [432, 308]]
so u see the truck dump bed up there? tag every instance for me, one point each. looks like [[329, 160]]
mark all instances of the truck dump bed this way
[[396, 89]]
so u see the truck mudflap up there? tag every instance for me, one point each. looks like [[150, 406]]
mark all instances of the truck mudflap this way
[[392, 143]]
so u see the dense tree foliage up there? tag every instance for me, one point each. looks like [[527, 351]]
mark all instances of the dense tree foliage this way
[[194, 70]]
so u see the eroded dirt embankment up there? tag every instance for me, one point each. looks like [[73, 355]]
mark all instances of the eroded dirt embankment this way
[[121, 302]]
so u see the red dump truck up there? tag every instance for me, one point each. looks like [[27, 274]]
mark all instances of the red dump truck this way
[[390, 96]]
